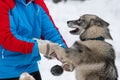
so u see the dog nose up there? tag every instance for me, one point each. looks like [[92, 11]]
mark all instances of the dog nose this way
[[68, 22]]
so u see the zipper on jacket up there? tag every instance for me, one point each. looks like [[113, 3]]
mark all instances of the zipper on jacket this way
[[3, 53]]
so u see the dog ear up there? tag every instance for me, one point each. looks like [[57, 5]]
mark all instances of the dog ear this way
[[99, 22]]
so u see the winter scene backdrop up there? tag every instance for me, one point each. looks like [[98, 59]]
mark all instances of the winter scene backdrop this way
[[109, 10]]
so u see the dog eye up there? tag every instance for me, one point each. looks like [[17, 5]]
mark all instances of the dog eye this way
[[82, 23], [78, 21], [82, 20]]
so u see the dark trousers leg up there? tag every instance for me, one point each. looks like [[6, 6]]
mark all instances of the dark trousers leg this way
[[36, 75]]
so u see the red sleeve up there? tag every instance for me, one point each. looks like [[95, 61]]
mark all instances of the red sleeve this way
[[7, 39]]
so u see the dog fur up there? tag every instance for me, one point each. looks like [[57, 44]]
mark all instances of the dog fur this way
[[91, 57]]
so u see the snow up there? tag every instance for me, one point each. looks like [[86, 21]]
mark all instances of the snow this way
[[109, 10]]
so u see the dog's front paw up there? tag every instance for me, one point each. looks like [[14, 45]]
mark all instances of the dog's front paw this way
[[68, 67]]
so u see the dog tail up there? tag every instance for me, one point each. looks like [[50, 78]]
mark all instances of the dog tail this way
[[111, 70]]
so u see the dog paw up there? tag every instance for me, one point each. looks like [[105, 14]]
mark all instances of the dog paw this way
[[68, 67]]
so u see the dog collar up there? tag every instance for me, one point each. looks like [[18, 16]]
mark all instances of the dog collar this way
[[97, 38]]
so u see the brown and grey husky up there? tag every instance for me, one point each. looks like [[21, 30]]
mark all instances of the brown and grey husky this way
[[91, 57]]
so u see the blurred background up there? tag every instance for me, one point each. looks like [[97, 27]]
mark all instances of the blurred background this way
[[64, 10]]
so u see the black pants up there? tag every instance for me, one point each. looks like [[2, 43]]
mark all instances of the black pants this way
[[36, 75]]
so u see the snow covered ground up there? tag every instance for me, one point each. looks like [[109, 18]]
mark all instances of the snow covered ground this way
[[108, 10]]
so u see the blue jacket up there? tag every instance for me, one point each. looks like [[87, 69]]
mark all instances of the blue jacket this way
[[19, 24]]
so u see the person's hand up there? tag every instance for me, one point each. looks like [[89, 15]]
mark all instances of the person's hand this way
[[46, 47]]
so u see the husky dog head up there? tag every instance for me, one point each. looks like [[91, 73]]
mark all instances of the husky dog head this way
[[84, 22]]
